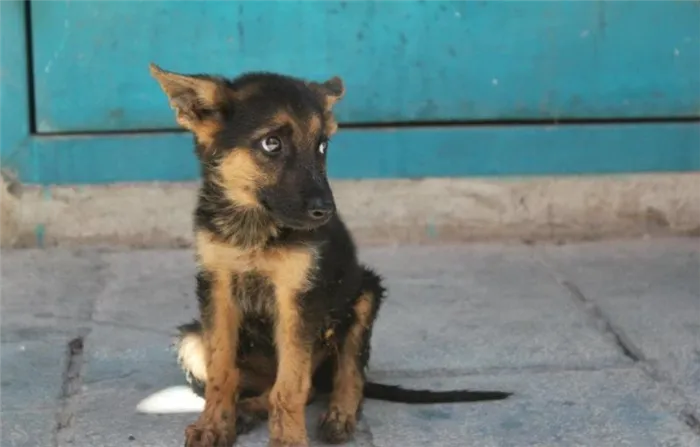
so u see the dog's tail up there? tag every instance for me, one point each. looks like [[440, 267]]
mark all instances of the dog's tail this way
[[393, 393], [190, 355], [372, 283]]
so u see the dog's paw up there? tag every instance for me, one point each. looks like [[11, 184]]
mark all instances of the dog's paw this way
[[336, 427], [208, 434], [280, 443]]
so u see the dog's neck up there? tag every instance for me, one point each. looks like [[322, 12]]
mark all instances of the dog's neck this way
[[238, 225]]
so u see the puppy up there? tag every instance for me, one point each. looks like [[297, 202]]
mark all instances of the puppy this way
[[285, 307]]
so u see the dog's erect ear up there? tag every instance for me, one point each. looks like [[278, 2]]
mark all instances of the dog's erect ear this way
[[332, 90], [195, 99]]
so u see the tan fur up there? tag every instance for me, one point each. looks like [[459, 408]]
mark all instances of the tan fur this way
[[253, 300], [290, 270], [348, 382], [331, 126], [281, 118], [333, 91], [260, 405], [314, 126], [288, 397], [204, 131], [280, 266], [241, 177], [246, 93], [285, 267], [301, 130], [257, 372], [202, 92], [221, 343], [248, 276]]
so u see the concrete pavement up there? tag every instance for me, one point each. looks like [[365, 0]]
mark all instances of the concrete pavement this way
[[600, 342]]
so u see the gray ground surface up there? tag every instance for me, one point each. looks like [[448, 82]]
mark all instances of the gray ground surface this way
[[600, 342]]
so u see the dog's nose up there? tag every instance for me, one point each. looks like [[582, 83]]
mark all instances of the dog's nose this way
[[319, 208]]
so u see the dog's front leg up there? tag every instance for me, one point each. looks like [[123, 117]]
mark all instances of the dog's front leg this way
[[338, 424], [216, 426], [289, 395]]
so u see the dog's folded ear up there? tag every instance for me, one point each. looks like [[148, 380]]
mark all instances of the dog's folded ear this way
[[332, 90], [195, 99]]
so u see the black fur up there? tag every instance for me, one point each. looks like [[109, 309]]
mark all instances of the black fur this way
[[255, 335], [275, 215]]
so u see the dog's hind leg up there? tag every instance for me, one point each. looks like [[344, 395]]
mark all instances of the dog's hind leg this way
[[338, 424], [257, 377]]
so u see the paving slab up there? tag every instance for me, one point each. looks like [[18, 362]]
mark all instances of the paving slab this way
[[123, 367], [32, 375], [650, 293], [463, 308], [129, 353], [27, 428], [611, 408], [478, 307], [153, 290], [49, 283], [46, 301], [481, 316]]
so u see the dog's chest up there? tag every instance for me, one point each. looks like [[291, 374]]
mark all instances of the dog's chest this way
[[254, 293], [256, 274], [252, 285]]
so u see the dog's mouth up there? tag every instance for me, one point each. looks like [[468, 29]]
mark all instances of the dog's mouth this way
[[293, 223], [300, 224]]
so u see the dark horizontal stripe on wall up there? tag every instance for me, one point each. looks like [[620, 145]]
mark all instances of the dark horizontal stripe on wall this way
[[401, 61], [432, 124], [389, 153]]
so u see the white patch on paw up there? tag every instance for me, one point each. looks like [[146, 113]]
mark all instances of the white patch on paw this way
[[176, 399]]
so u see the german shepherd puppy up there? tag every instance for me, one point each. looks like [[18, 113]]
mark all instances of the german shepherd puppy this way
[[285, 308]]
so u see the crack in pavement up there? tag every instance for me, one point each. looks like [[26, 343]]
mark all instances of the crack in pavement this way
[[72, 380], [623, 343], [691, 421], [685, 411], [593, 312]]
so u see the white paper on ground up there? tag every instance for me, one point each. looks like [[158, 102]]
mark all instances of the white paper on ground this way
[[176, 399]]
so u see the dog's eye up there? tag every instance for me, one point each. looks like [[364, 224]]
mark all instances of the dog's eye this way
[[272, 144], [322, 147]]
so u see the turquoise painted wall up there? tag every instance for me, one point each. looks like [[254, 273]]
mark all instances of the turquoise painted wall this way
[[435, 88]]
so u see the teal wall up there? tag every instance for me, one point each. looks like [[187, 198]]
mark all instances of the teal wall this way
[[435, 88]]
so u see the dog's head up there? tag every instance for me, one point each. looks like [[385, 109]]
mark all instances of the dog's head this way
[[262, 138]]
